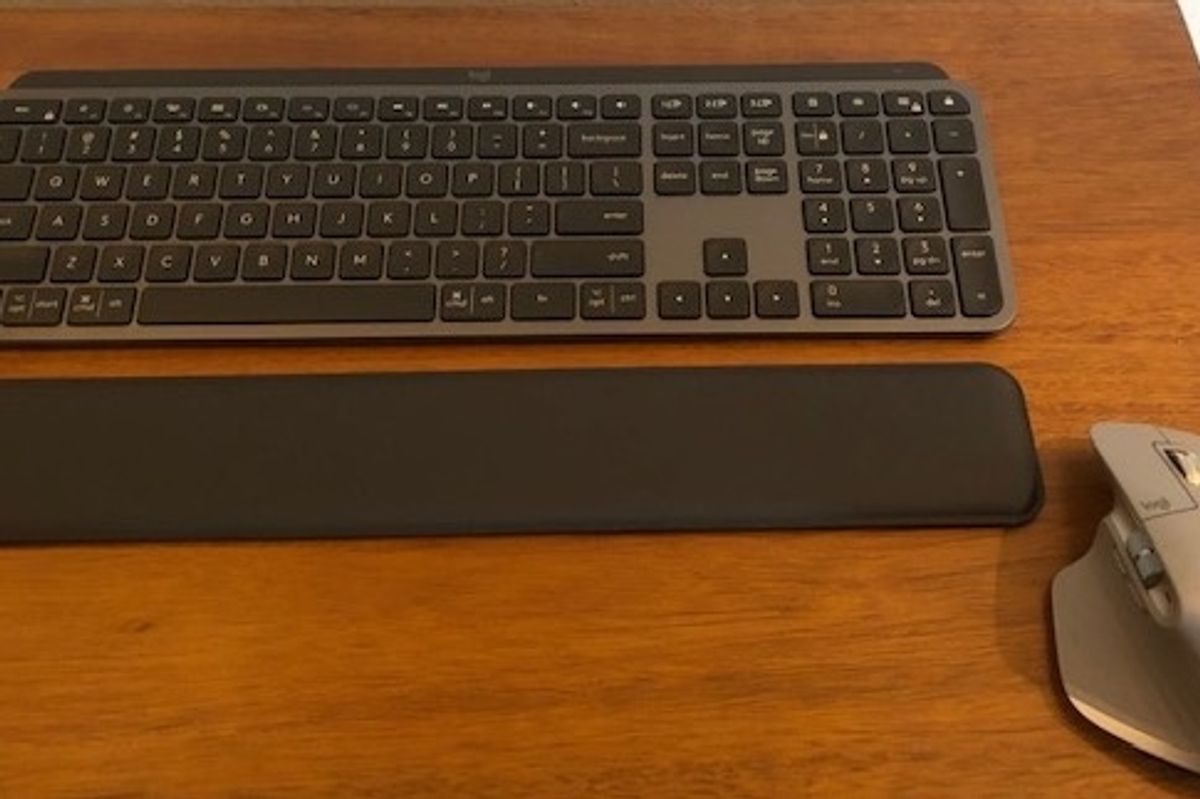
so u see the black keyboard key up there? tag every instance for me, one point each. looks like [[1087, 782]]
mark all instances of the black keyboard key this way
[[443, 109], [766, 177], [43, 145], [88, 144], [925, 255], [120, 263], [263, 109], [151, 221], [920, 214], [30, 112], [407, 141], [148, 183], [616, 178], [592, 217], [287, 181], [858, 298], [872, 215], [824, 216], [604, 140], [84, 111], [565, 178], [948, 102], [913, 175], [675, 178], [812, 104], [58, 222], [380, 181], [505, 259], [15, 182], [133, 143], [776, 299], [954, 136], [620, 106], [978, 277], [308, 109], [903, 103], [861, 136], [174, 109], [828, 256], [576, 106], [264, 262], [286, 304], [858, 104], [727, 299], [678, 300], [482, 218], [529, 218], [518, 180], [456, 259], [719, 138], [528, 107], [178, 143], [410, 260], [341, 220], [199, 221], [720, 177], [866, 175], [399, 109], [223, 143], [473, 180], [497, 141], [962, 189], [129, 109], [435, 218], [216, 263], [313, 261], [472, 302], [168, 263], [247, 220], [219, 109], [543, 301], [360, 260], [584, 258], [877, 256], [673, 138], [240, 182], [10, 140], [931, 298], [716, 106], [353, 109], [16, 222], [428, 180], [452, 141], [388, 220], [816, 137], [270, 143], [315, 142], [542, 141], [334, 180], [71, 264], [612, 301], [671, 106], [41, 307], [820, 175], [725, 257], [23, 264], [194, 182], [484, 109], [762, 138], [101, 306], [908, 136], [761, 104]]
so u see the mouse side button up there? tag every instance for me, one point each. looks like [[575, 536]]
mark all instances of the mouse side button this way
[[1141, 473]]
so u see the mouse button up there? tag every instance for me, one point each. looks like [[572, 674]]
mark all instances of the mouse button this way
[[1185, 463]]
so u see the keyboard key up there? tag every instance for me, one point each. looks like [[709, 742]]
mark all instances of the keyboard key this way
[[776, 299], [16, 222], [762, 138], [388, 220], [435, 219], [533, 219], [216, 263], [174, 109], [452, 141], [671, 106], [679, 300], [84, 111], [858, 298], [264, 262], [313, 261], [962, 189], [918, 214], [725, 257], [620, 106], [673, 138], [407, 141], [616, 178], [168, 263], [565, 178], [824, 216], [360, 260], [720, 177], [162, 305], [866, 175], [88, 144], [828, 256], [18, 303], [716, 106], [409, 260], [931, 298], [872, 215], [948, 102], [816, 138], [58, 222], [877, 256], [675, 178], [604, 140], [858, 104], [456, 259], [585, 258], [10, 140], [120, 264], [592, 217], [219, 109], [727, 299], [308, 109], [925, 255], [497, 141], [719, 138], [482, 218], [761, 104], [903, 103], [70, 264], [576, 106], [812, 104], [490, 108], [398, 109], [954, 136], [543, 301], [978, 277], [766, 177], [263, 109], [29, 112], [532, 107], [96, 306], [505, 259], [41, 307], [612, 301], [43, 145], [353, 109], [542, 141], [129, 109], [23, 264], [913, 175], [15, 182], [908, 136], [472, 302], [862, 136], [820, 175]]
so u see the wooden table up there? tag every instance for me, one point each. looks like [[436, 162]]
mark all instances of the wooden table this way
[[720, 665]]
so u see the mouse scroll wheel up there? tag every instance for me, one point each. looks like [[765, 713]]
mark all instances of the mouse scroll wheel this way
[[1185, 463], [1146, 562]]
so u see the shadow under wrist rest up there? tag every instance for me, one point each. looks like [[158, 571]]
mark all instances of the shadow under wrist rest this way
[[515, 451]]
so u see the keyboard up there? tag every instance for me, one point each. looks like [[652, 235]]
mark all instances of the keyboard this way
[[214, 205]]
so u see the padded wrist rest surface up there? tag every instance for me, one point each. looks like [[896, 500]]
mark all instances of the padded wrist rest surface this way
[[514, 451]]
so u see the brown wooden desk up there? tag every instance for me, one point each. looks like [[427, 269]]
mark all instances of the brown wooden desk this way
[[782, 665]]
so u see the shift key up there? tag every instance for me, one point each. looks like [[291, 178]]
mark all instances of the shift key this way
[[599, 217], [962, 186]]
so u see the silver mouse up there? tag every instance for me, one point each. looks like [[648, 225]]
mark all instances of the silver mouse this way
[[1127, 614]]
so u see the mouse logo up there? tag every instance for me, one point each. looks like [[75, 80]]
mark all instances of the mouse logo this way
[[479, 75], [1160, 505]]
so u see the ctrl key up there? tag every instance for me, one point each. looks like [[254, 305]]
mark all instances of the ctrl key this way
[[33, 307], [108, 306]]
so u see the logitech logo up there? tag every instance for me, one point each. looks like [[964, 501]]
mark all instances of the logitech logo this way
[[479, 75], [1160, 505]]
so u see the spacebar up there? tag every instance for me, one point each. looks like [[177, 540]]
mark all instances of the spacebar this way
[[285, 304]]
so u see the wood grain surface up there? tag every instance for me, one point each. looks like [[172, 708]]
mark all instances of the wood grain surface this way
[[721, 665]]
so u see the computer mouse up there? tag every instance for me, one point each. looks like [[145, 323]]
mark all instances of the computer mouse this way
[[1127, 614]]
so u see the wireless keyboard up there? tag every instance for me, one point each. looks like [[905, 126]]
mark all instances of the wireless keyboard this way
[[517, 202]]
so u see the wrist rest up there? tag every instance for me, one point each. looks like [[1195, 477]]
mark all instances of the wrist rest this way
[[515, 451]]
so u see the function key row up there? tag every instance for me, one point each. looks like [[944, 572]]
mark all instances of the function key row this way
[[809, 104]]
